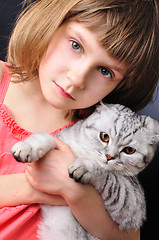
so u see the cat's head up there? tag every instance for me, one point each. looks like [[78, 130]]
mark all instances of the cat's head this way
[[125, 141]]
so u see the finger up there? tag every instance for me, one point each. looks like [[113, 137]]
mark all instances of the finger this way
[[34, 165], [29, 171], [33, 169], [28, 177], [59, 145]]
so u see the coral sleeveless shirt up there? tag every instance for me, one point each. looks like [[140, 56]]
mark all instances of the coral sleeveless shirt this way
[[20, 222]]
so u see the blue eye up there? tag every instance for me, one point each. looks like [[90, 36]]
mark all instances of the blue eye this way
[[105, 72], [76, 46]]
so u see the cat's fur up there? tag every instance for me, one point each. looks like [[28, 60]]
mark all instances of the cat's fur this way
[[104, 163]]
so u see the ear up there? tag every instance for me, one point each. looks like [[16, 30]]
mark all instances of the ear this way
[[155, 139], [153, 125], [101, 103], [101, 106], [100, 109]]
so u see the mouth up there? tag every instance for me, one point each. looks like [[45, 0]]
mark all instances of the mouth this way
[[63, 92]]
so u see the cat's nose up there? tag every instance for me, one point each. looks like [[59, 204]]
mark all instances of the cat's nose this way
[[109, 157]]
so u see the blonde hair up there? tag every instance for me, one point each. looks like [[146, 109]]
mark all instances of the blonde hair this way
[[128, 29]]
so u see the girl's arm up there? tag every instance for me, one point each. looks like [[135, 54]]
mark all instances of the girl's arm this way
[[1, 69], [15, 190], [51, 175]]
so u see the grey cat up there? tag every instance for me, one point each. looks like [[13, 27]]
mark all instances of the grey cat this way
[[111, 147]]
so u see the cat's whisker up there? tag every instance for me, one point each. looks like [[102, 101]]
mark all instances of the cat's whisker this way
[[131, 175], [127, 170]]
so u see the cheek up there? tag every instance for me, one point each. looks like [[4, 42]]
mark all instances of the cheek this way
[[99, 91], [95, 92], [134, 161], [54, 57], [104, 86]]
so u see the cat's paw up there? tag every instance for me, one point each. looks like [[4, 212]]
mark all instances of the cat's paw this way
[[79, 172], [23, 152], [33, 148]]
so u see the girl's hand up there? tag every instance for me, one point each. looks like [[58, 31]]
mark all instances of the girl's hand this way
[[50, 174]]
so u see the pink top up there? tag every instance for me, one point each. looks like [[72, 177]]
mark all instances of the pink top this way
[[20, 222]]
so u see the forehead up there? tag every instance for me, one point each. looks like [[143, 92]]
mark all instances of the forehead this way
[[117, 29], [91, 41]]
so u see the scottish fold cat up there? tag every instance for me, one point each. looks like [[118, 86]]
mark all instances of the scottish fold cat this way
[[111, 147]]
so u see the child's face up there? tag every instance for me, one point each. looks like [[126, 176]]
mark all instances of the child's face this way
[[76, 72]]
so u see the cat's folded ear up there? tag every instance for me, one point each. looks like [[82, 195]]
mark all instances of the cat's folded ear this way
[[102, 106], [153, 125], [101, 110], [155, 139], [101, 103]]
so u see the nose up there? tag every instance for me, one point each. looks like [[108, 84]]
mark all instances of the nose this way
[[77, 78], [109, 157]]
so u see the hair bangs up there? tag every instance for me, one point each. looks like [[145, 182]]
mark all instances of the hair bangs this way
[[128, 30], [124, 30]]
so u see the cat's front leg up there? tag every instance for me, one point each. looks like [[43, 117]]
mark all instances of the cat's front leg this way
[[84, 170], [33, 148]]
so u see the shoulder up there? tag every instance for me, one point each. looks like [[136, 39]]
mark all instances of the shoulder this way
[[1, 69]]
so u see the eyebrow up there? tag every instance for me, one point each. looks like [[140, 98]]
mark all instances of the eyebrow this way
[[118, 69], [83, 41]]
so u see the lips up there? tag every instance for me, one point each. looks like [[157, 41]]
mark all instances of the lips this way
[[63, 92]]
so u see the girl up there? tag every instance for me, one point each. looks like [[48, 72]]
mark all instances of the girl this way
[[63, 58]]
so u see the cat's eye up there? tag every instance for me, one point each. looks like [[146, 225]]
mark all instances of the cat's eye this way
[[104, 137], [129, 150]]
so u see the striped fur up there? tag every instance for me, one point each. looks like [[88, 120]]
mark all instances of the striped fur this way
[[109, 166]]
